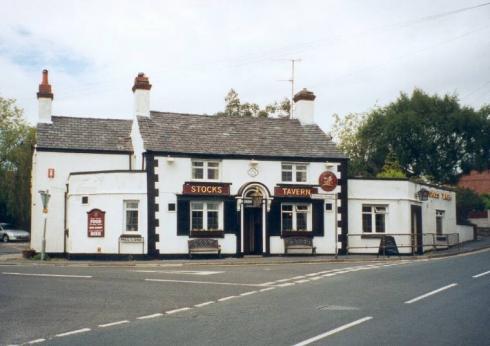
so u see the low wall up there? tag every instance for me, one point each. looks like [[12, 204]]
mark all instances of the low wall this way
[[466, 233]]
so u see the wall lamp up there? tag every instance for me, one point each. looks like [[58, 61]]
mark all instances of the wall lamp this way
[[422, 194]]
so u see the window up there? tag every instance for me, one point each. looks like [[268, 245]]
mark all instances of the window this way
[[171, 207], [205, 170], [296, 217], [206, 216], [293, 172], [84, 199], [373, 218], [131, 215], [439, 221]]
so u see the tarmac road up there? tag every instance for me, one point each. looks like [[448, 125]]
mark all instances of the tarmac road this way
[[434, 301]]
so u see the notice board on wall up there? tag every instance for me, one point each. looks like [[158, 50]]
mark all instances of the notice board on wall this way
[[95, 223]]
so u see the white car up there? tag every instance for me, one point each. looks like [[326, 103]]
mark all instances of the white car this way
[[8, 233]]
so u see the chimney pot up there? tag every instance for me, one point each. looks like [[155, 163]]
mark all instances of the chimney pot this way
[[45, 88], [141, 82], [141, 91], [304, 106], [45, 99]]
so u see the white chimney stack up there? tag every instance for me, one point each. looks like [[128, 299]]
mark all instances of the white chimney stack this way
[[45, 99], [304, 107], [141, 90]]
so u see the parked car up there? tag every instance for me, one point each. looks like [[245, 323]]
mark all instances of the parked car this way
[[9, 233]]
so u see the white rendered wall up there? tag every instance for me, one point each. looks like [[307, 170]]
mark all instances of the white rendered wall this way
[[45, 105], [172, 176], [483, 222], [398, 196], [106, 192], [138, 146], [304, 111], [64, 164], [142, 102], [465, 232]]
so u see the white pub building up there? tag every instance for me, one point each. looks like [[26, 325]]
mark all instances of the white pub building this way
[[169, 184]]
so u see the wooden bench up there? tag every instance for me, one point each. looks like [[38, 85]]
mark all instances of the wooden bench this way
[[203, 246], [299, 245]]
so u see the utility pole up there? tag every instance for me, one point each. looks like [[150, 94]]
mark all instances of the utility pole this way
[[291, 80]]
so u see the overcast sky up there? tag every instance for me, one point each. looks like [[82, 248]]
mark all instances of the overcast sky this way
[[355, 54]]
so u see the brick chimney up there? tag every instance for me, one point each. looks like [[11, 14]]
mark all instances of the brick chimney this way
[[141, 90], [304, 107], [45, 99]]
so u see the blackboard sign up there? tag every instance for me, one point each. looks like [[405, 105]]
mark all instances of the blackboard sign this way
[[387, 246]]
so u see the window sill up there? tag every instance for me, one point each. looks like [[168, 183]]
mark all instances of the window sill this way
[[286, 234], [207, 234]]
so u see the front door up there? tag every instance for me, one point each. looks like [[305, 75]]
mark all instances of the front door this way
[[417, 241], [253, 231]]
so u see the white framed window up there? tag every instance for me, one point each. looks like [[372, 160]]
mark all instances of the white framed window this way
[[439, 221], [206, 216], [131, 216], [294, 172], [296, 217], [374, 218], [205, 170]]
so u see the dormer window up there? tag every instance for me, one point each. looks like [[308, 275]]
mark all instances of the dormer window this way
[[293, 172], [205, 170]]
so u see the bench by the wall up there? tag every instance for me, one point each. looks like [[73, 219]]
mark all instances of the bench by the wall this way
[[203, 246], [299, 245]]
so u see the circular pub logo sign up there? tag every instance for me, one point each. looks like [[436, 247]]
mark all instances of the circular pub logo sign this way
[[327, 181]]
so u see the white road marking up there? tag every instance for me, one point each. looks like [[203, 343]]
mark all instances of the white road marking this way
[[170, 312], [286, 284], [267, 289], [282, 280], [113, 324], [149, 316], [83, 330], [481, 274], [430, 293], [50, 275], [248, 293], [204, 304], [37, 341], [298, 277], [268, 283], [206, 282], [316, 278], [327, 275], [181, 272], [334, 331], [226, 298], [302, 281]]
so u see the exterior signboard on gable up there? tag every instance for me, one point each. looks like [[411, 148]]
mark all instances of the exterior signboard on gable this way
[[294, 191], [327, 181], [95, 223], [211, 189]]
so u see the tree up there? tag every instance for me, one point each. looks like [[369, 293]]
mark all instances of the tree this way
[[391, 168], [431, 137], [234, 107], [466, 201], [16, 141]]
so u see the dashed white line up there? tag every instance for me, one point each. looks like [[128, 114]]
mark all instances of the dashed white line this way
[[298, 277], [328, 275], [226, 298], [205, 282], [78, 331], [316, 278], [113, 324], [149, 316], [204, 304], [334, 331], [248, 293], [286, 284], [267, 289], [430, 293], [37, 341], [170, 312], [480, 275], [49, 275], [302, 281]]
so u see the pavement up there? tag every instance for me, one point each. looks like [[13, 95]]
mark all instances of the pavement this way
[[436, 301], [11, 253]]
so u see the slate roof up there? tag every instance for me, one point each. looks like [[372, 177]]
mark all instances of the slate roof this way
[[240, 136], [85, 134]]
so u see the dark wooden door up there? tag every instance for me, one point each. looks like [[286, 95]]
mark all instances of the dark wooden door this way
[[253, 231], [417, 233]]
